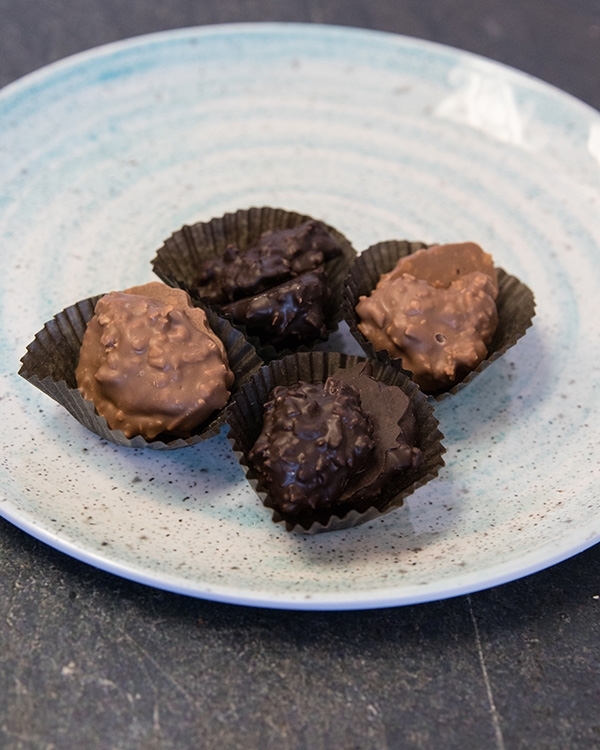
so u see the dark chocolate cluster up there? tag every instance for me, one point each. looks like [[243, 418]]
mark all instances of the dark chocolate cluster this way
[[272, 287], [287, 314], [315, 438], [334, 446]]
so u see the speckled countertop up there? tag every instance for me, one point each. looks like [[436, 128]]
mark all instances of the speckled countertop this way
[[90, 659]]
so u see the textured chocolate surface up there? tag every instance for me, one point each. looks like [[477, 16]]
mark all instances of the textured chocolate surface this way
[[289, 314], [151, 365], [315, 437], [440, 323], [334, 446], [278, 256]]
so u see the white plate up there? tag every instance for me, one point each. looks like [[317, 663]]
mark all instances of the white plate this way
[[105, 154]]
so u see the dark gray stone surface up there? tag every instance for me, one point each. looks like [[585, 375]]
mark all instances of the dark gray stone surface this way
[[87, 659], [90, 660]]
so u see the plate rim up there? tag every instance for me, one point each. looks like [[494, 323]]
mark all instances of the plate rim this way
[[143, 39]]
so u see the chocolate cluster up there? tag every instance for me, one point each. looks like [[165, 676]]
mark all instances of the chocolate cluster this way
[[315, 440], [331, 451], [435, 311], [150, 362], [277, 288], [151, 365], [441, 313], [288, 315], [275, 274], [279, 255]]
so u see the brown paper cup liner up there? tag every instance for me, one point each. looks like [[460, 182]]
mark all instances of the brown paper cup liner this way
[[178, 260], [51, 360], [515, 304], [245, 419]]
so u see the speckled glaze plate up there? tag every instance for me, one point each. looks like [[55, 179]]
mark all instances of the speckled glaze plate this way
[[105, 154]]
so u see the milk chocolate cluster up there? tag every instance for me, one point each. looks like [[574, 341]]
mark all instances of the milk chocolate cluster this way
[[435, 311], [151, 363]]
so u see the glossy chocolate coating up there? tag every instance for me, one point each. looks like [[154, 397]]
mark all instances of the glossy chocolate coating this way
[[441, 265], [278, 256], [315, 438], [439, 325], [334, 446], [150, 362], [289, 314]]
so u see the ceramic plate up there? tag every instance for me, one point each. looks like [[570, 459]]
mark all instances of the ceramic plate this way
[[103, 155]]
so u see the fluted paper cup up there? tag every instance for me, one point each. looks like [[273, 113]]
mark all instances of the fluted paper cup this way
[[52, 357]]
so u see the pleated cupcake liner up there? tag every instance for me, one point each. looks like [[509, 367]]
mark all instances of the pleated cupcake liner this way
[[52, 357], [244, 416], [515, 304], [179, 259]]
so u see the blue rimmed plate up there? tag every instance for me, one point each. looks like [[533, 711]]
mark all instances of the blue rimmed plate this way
[[105, 154]]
